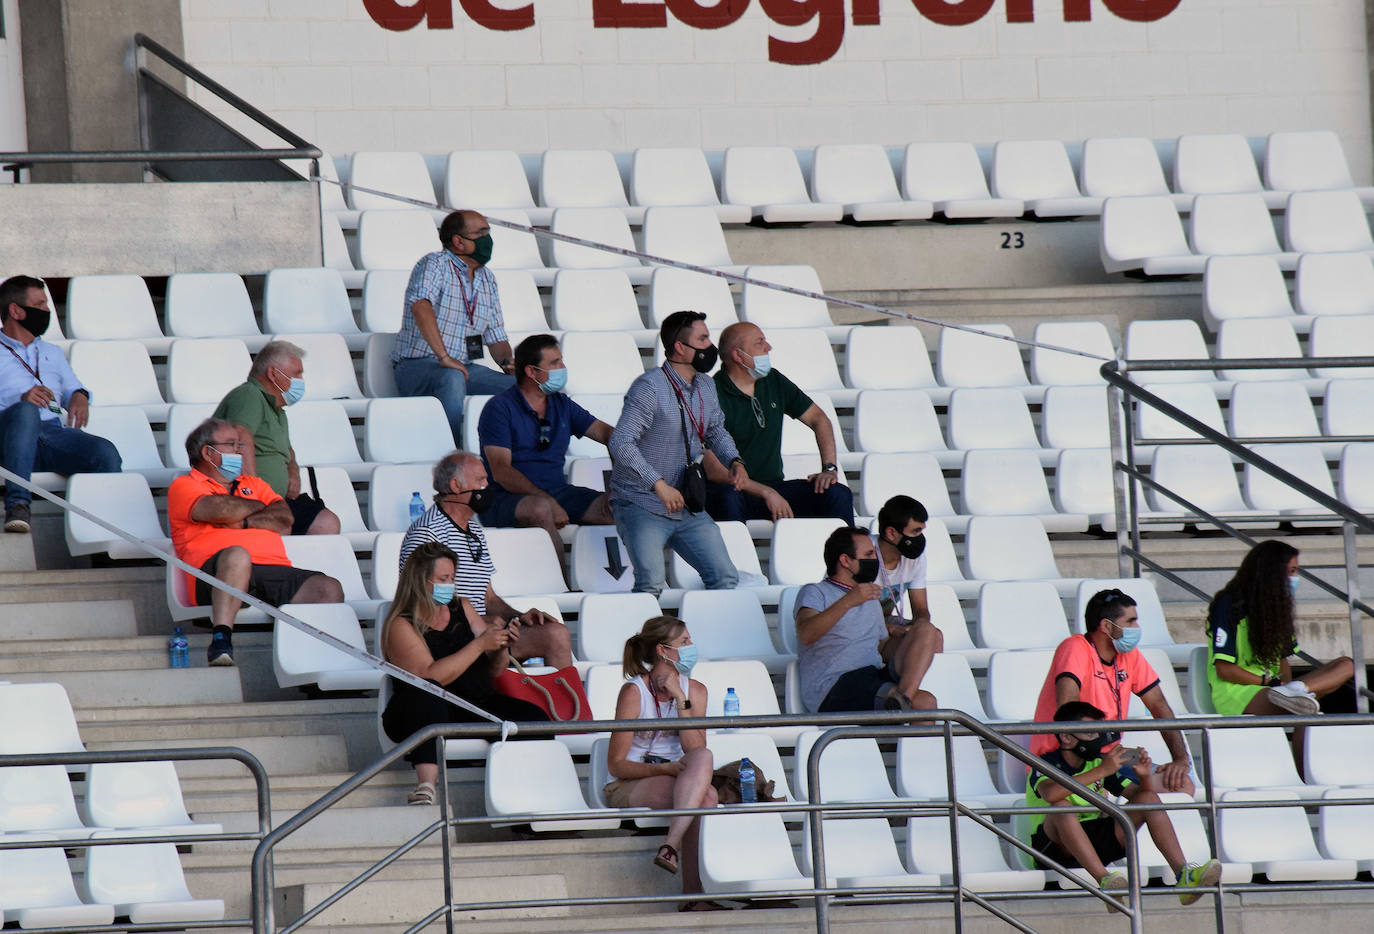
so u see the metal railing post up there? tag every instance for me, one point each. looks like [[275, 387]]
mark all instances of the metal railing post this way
[[1352, 598], [1119, 424], [445, 808]]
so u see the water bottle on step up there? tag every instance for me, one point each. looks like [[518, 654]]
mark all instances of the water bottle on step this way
[[178, 650], [748, 791]]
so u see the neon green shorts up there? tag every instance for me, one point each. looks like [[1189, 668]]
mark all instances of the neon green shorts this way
[[1231, 699]]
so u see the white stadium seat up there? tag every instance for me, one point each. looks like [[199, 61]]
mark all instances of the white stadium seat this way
[[516, 249], [679, 176], [769, 181], [1258, 758], [983, 867], [748, 852], [850, 770], [600, 362], [526, 778], [1178, 339], [1251, 338], [900, 420], [210, 304], [1235, 287], [1348, 407], [320, 435], [921, 772], [1075, 417], [36, 718], [1020, 615], [395, 239], [299, 658], [795, 556], [859, 176], [145, 883], [1339, 755], [205, 369], [127, 427], [1145, 233], [978, 360], [1038, 173], [727, 624], [584, 178], [1011, 548], [890, 358], [122, 499], [884, 476], [1012, 483], [1118, 167], [1305, 461], [948, 616], [103, 308], [606, 620], [673, 290], [950, 176], [384, 299], [1356, 476], [804, 354], [1327, 222], [1235, 224], [1203, 475], [1083, 483], [772, 309], [526, 564], [1275, 841], [398, 173], [119, 373], [1194, 399], [38, 798], [861, 853], [311, 300], [1339, 336], [740, 545], [594, 300], [407, 430], [1344, 831], [602, 225], [1334, 284], [36, 891], [1014, 681], [333, 555], [521, 306], [492, 178], [143, 796], [689, 235], [386, 572], [1309, 160], [1273, 410], [379, 376], [1218, 163], [950, 679], [389, 493], [990, 418], [1055, 368], [599, 563]]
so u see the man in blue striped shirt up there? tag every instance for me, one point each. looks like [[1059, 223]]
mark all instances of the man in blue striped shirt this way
[[452, 313], [671, 415]]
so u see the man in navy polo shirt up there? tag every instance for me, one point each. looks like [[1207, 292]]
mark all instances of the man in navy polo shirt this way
[[524, 434]]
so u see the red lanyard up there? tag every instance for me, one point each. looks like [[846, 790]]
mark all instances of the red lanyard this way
[[25, 364], [470, 306], [700, 426], [1113, 684]]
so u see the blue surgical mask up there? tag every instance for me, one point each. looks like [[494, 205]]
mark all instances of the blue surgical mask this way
[[686, 659], [1294, 582], [556, 381], [295, 392], [1129, 639], [762, 366], [443, 593], [231, 465]]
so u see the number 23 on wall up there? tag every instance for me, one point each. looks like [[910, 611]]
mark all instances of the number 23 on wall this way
[[1013, 240]]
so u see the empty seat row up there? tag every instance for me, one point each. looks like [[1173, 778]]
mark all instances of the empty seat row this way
[[1146, 233], [1254, 287]]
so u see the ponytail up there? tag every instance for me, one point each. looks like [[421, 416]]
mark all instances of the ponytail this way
[[641, 649]]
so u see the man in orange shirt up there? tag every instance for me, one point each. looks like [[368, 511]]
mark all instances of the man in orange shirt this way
[[230, 525]]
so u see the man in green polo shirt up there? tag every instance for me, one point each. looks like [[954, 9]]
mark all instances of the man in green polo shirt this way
[[755, 399], [258, 407]]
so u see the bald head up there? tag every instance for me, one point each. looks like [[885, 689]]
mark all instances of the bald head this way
[[466, 226], [745, 338]]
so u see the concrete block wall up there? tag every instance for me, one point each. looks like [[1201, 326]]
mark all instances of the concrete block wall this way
[[327, 69], [13, 137]]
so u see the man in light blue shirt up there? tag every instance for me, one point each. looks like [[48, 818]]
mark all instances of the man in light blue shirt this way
[[36, 385], [671, 416]]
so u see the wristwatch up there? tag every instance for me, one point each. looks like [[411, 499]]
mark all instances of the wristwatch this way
[[1272, 681], [829, 468], [685, 704]]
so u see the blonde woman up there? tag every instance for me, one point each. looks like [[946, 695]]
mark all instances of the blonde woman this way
[[664, 768], [431, 633]]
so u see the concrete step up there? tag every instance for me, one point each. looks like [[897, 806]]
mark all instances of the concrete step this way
[[306, 754], [66, 619], [16, 553], [396, 902], [147, 687]]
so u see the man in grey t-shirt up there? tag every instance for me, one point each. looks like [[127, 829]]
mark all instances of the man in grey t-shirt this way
[[849, 657]]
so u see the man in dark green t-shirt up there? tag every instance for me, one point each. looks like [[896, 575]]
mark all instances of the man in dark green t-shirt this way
[[755, 398], [258, 408]]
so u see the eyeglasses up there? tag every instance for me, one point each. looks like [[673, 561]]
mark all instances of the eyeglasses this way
[[236, 445], [758, 411], [545, 434]]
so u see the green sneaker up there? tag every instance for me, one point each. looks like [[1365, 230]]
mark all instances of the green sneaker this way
[[1208, 874], [1114, 884]]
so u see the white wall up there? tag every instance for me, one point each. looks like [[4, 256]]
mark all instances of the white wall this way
[[13, 134], [326, 69]]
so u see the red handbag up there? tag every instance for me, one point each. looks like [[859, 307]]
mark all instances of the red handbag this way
[[558, 693]]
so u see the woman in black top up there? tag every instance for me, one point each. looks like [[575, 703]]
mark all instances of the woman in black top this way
[[431, 633]]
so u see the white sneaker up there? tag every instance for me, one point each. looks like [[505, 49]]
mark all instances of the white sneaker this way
[[1294, 698]]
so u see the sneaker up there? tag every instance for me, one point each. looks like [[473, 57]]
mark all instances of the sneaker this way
[[890, 698], [17, 517], [1208, 874], [1294, 698], [221, 651], [1114, 884]]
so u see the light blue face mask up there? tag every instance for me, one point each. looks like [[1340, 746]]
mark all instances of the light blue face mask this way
[[1294, 582], [294, 391], [686, 659], [762, 366], [556, 381], [443, 593], [231, 465], [1129, 639]]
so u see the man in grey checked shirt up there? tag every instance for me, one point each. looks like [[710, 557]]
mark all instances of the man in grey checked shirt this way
[[649, 457], [452, 311]]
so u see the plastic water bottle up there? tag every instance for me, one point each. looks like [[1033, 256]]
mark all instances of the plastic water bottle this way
[[748, 790], [178, 650], [417, 507], [731, 703]]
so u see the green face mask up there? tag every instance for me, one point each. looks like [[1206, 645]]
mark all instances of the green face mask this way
[[481, 251]]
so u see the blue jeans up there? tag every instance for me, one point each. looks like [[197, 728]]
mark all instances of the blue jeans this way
[[423, 376], [694, 536], [726, 504], [29, 442]]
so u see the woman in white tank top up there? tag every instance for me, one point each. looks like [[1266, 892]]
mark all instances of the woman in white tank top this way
[[664, 768]]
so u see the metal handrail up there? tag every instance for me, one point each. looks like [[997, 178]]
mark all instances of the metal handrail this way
[[171, 754]]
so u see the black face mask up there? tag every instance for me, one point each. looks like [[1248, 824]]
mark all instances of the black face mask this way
[[479, 501], [704, 359], [867, 571], [911, 546], [36, 320], [1087, 749]]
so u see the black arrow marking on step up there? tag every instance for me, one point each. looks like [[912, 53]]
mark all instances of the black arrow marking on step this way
[[614, 566]]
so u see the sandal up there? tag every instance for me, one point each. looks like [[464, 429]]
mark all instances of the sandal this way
[[423, 794], [666, 858], [702, 905]]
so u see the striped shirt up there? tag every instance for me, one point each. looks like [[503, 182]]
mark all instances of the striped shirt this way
[[445, 281], [473, 574], [646, 445]]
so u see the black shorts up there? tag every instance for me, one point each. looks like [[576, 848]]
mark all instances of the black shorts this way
[[304, 509], [271, 583], [857, 689], [1101, 833]]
